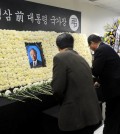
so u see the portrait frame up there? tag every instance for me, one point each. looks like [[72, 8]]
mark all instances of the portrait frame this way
[[37, 47]]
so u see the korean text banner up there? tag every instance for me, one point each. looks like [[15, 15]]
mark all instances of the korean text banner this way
[[30, 16]]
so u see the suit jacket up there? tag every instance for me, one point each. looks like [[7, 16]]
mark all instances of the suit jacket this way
[[106, 66], [39, 64], [73, 87]]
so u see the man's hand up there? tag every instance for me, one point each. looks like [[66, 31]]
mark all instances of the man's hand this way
[[96, 85]]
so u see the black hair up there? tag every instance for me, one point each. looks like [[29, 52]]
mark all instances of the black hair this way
[[65, 40], [94, 38]]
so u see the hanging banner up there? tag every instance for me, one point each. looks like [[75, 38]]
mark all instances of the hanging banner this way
[[32, 16]]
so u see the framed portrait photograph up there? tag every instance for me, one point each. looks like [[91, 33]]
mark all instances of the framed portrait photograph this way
[[35, 55]]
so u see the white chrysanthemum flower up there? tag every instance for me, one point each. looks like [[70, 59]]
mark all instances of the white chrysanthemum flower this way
[[49, 80], [15, 90], [28, 86], [21, 88], [7, 92], [41, 82], [24, 88]]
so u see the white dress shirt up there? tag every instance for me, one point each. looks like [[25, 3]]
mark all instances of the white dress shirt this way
[[34, 63]]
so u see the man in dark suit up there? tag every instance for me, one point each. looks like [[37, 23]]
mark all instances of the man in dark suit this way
[[73, 87], [35, 63], [106, 66]]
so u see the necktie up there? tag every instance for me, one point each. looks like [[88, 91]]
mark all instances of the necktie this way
[[33, 63]]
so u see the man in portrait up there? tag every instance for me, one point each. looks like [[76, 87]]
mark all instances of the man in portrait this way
[[35, 62]]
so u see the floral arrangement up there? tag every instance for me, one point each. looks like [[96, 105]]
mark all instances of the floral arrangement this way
[[29, 91], [112, 35], [15, 72]]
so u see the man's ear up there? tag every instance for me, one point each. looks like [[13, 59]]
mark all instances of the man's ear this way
[[59, 49]]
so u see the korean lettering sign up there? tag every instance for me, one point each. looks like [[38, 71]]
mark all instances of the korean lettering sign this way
[[31, 16]]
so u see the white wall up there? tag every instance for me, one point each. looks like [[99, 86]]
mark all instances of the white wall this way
[[93, 18]]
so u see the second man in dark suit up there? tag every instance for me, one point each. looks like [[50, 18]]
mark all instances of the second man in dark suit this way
[[106, 67]]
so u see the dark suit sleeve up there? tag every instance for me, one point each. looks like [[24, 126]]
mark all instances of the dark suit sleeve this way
[[59, 79], [39, 63], [98, 63], [31, 64]]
